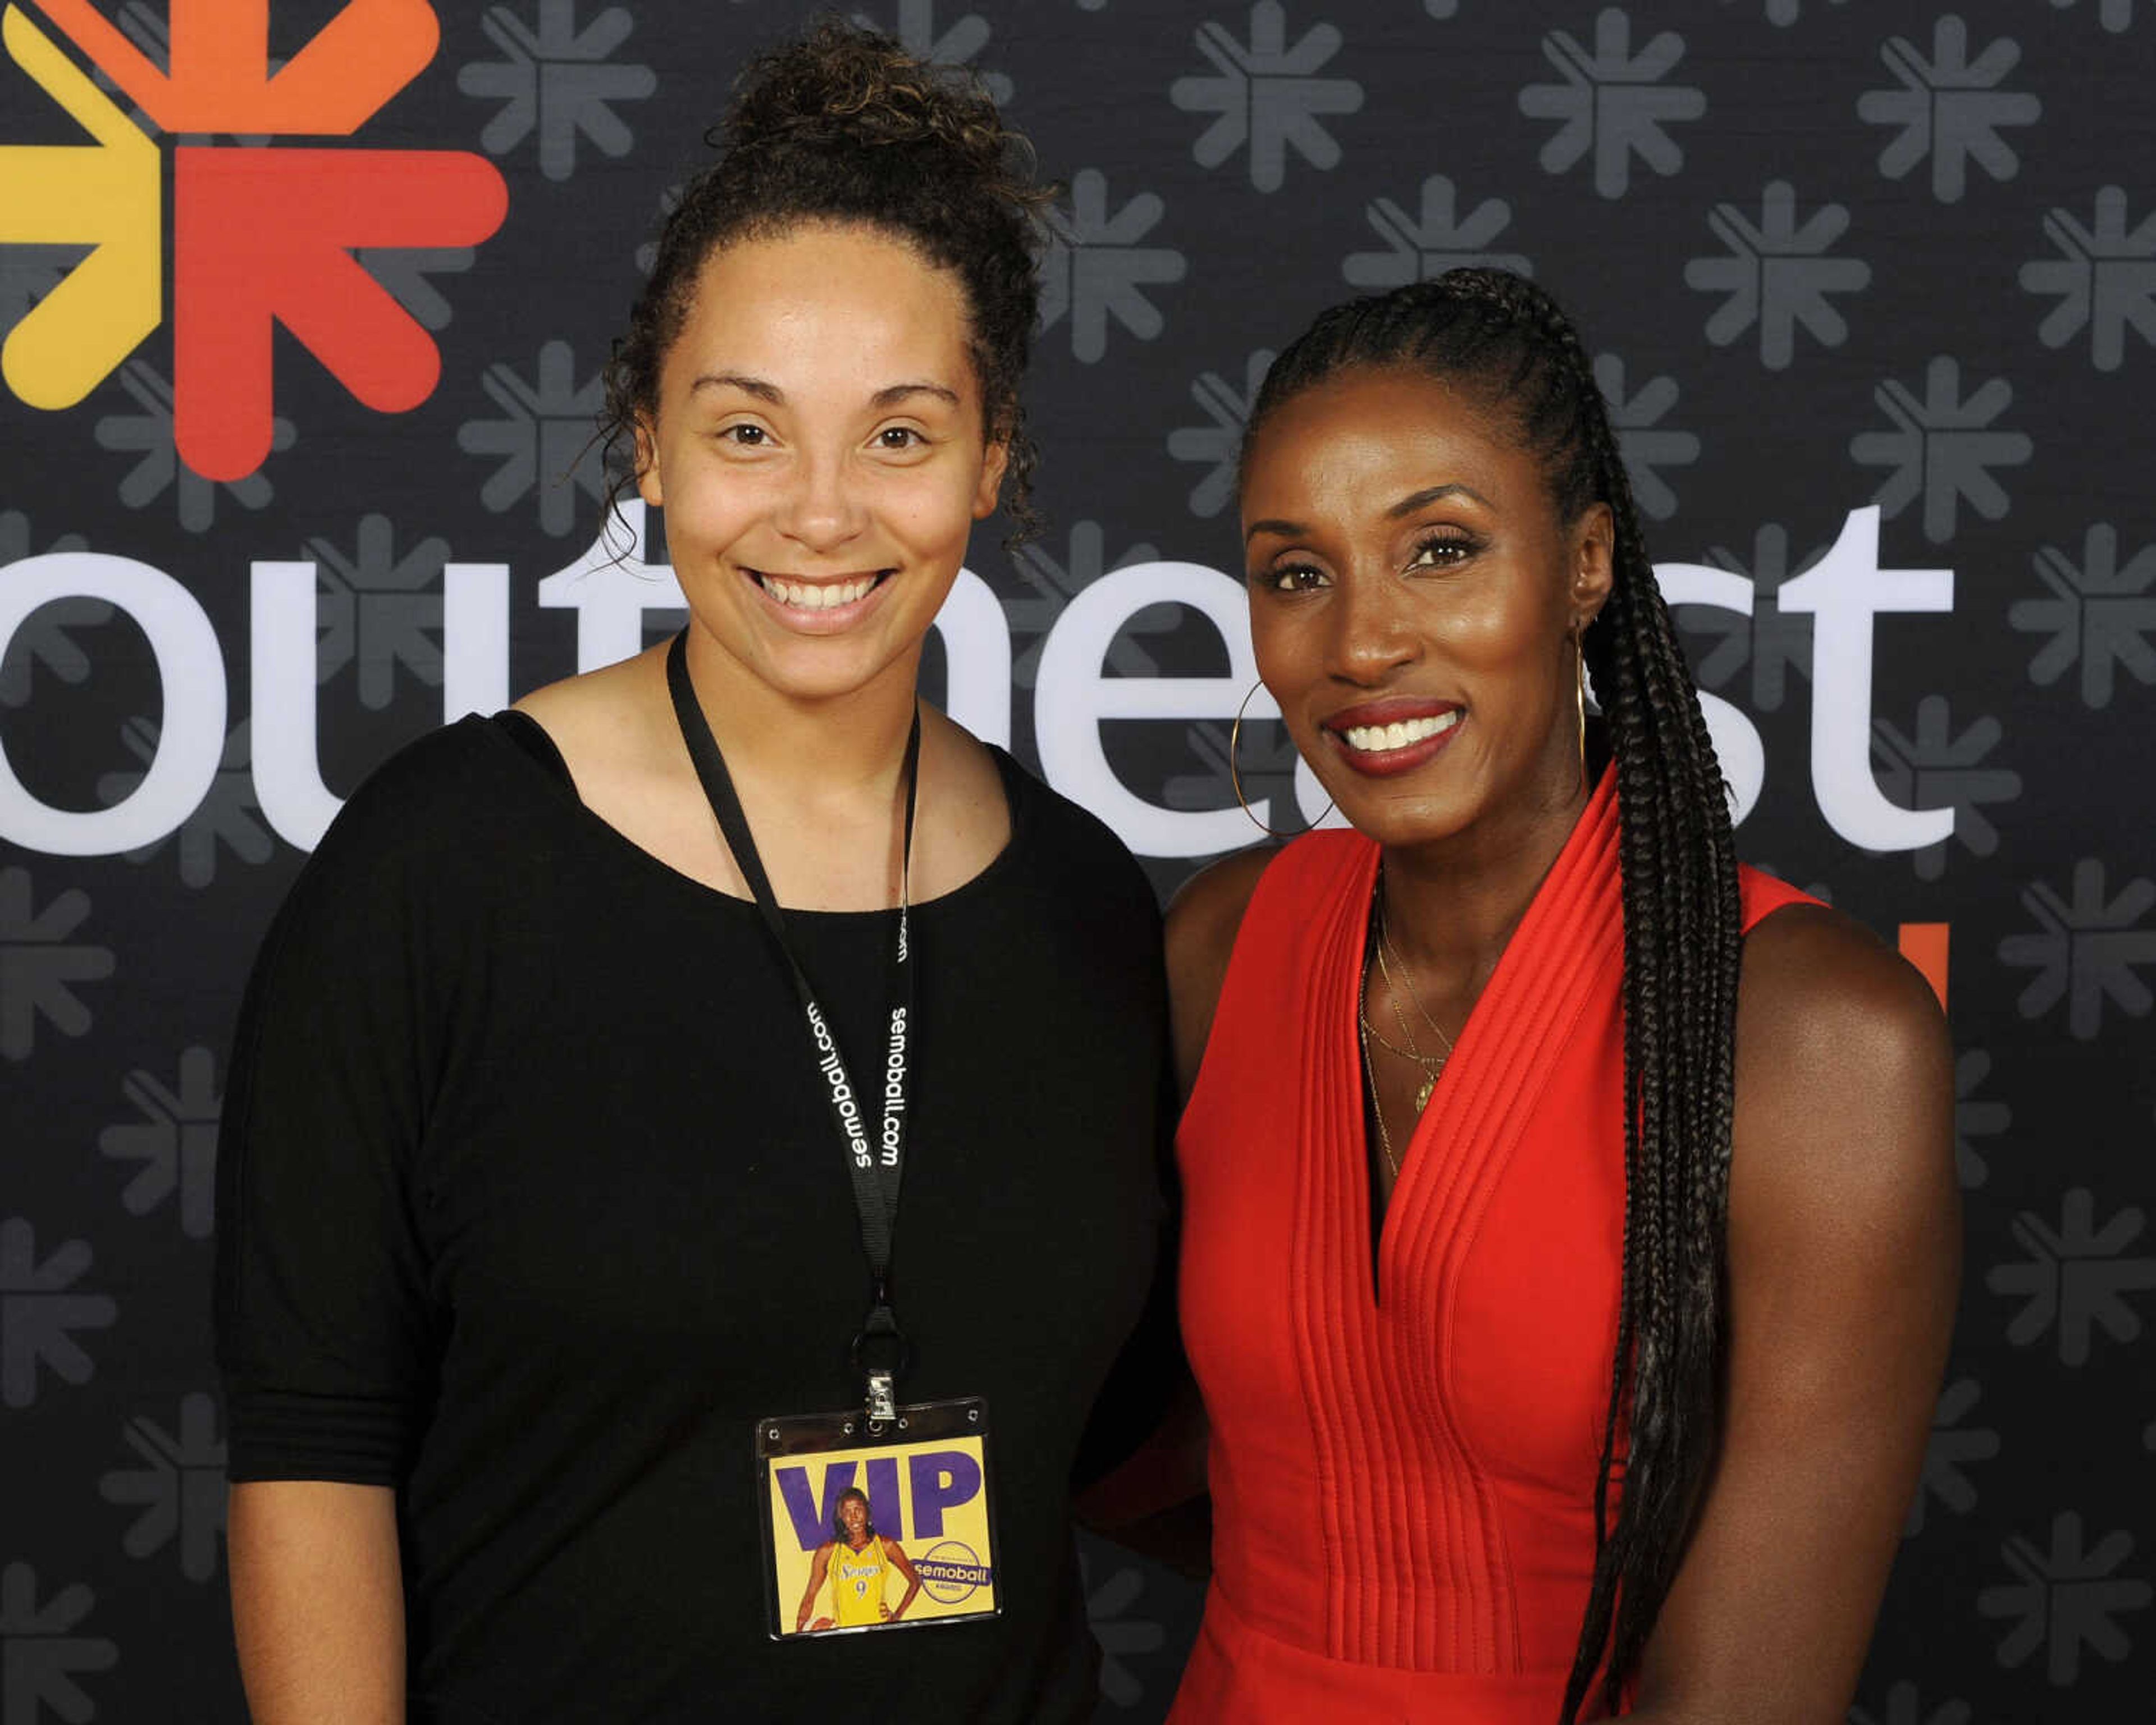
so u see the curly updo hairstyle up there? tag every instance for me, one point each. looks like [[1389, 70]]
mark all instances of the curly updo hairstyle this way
[[844, 126], [1505, 345]]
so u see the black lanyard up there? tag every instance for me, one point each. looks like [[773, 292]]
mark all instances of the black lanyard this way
[[877, 1166]]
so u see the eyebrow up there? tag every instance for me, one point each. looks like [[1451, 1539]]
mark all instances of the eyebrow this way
[[756, 387], [766, 390], [1423, 499], [897, 393], [1406, 506]]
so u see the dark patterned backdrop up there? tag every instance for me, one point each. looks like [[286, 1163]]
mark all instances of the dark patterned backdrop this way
[[1873, 291]]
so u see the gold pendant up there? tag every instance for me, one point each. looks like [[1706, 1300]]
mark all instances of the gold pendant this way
[[1422, 1095]]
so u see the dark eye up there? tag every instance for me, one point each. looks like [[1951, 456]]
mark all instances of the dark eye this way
[[748, 437], [899, 437], [1294, 577], [1439, 551]]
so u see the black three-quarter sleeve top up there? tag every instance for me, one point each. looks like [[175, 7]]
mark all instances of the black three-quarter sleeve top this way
[[530, 1203]]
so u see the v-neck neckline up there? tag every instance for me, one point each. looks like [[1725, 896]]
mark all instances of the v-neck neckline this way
[[1381, 1214]]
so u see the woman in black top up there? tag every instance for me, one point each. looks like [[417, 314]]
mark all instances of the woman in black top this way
[[532, 1197]]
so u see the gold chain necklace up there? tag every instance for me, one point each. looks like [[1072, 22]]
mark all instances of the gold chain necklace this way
[[1376, 1103], [1385, 946], [1431, 1065]]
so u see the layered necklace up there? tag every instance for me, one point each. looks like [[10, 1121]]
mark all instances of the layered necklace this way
[[1381, 949]]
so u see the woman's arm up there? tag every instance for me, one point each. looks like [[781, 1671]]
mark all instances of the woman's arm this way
[[896, 1554], [317, 1602], [1153, 1501], [1200, 935], [325, 1324], [821, 1563], [1843, 1262]]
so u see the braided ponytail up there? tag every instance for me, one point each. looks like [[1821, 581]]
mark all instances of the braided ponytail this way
[[1507, 341]]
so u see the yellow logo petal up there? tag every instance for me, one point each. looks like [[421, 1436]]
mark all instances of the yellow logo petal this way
[[106, 194]]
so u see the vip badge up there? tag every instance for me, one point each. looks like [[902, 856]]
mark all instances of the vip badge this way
[[877, 1524]]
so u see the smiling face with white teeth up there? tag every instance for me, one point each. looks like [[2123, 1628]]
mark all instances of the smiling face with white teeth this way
[[1413, 596], [820, 453]]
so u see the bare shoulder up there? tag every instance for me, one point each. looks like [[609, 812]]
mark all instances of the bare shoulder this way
[[577, 698], [960, 761], [1203, 921], [1206, 913], [602, 721], [617, 735], [965, 820], [1845, 1079], [1821, 995]]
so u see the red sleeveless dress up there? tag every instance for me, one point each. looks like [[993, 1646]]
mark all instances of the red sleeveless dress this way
[[1404, 1455]]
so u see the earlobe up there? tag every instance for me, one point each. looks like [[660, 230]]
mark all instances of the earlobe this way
[[647, 466], [1593, 564], [989, 490]]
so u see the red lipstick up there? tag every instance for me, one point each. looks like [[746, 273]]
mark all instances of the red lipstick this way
[[1360, 737]]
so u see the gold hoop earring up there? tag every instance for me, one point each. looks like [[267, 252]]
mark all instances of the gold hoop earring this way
[[1579, 668], [1235, 778]]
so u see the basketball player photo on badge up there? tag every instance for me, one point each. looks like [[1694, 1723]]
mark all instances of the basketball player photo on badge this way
[[873, 1525]]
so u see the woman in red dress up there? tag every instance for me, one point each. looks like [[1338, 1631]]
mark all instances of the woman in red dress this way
[[1571, 1238]]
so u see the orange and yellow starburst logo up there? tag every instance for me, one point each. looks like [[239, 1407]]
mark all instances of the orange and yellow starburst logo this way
[[260, 236]]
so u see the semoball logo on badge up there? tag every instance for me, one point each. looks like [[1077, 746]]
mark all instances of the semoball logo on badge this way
[[952, 1571], [261, 237]]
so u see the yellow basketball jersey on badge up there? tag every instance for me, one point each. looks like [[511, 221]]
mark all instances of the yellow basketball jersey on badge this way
[[857, 1578]]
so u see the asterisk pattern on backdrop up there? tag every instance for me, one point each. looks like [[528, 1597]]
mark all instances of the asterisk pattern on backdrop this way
[[1827, 255]]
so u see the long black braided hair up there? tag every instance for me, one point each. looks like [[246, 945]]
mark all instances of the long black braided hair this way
[[1507, 345]]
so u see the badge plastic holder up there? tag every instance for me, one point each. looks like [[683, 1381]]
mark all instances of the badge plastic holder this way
[[929, 1519]]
